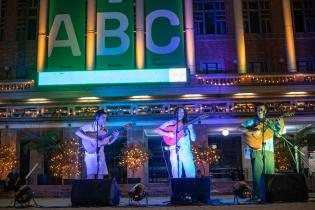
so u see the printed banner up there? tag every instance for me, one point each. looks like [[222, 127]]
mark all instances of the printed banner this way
[[66, 41], [115, 35], [164, 34]]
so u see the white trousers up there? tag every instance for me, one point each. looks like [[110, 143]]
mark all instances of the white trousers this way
[[186, 160], [91, 164]]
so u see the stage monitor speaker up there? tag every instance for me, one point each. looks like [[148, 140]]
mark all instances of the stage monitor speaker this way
[[285, 188], [190, 190], [95, 193]]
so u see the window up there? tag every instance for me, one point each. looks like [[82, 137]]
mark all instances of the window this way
[[157, 166], [3, 4], [306, 66], [26, 28], [304, 15], [230, 152], [209, 17], [256, 67], [210, 67], [257, 16], [112, 153]]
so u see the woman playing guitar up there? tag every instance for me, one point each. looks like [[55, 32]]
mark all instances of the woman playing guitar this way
[[184, 136]]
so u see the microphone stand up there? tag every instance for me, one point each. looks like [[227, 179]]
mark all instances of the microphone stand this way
[[297, 152], [177, 147], [97, 152], [263, 143]]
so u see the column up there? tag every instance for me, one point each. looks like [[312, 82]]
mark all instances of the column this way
[[202, 138], [190, 40], [136, 135], [42, 35], [289, 37], [90, 34], [140, 48], [239, 37]]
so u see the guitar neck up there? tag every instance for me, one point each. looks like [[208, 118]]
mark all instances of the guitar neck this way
[[190, 122], [118, 129]]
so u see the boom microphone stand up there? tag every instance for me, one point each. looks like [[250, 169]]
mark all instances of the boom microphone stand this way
[[297, 152]]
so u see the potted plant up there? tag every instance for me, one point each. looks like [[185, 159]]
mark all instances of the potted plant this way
[[204, 155], [64, 161], [133, 156], [7, 162], [284, 150]]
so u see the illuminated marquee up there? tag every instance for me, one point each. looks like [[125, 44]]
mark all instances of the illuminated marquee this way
[[115, 42]]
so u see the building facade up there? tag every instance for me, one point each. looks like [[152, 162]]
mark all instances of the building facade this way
[[237, 53]]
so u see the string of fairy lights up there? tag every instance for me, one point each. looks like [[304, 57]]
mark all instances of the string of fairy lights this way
[[61, 112], [133, 156], [65, 160], [204, 154], [248, 79], [7, 159], [282, 161], [200, 79], [17, 85]]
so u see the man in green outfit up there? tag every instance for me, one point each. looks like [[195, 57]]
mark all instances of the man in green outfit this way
[[262, 154]]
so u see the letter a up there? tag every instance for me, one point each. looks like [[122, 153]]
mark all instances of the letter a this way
[[71, 42]]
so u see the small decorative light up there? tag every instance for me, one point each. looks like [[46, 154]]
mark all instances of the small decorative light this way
[[297, 93], [37, 99], [225, 132], [140, 97], [89, 98]]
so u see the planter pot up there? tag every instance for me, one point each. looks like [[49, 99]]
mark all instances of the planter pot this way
[[68, 181], [42, 179], [133, 180]]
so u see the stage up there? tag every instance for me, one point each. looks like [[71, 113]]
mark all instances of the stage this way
[[216, 202]]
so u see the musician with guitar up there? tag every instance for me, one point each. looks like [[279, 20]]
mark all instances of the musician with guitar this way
[[185, 134], [94, 145], [259, 134]]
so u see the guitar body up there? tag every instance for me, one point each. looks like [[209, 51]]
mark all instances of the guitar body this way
[[181, 130], [90, 147], [172, 141], [255, 142]]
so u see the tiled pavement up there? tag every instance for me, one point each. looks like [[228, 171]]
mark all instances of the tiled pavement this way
[[224, 202]]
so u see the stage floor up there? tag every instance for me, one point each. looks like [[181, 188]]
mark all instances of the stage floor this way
[[162, 203]]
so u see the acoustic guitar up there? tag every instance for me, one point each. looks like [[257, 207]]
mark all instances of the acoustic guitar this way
[[266, 129], [90, 147], [180, 131]]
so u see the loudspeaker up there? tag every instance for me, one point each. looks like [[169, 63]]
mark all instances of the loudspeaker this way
[[285, 187], [95, 193], [190, 190]]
